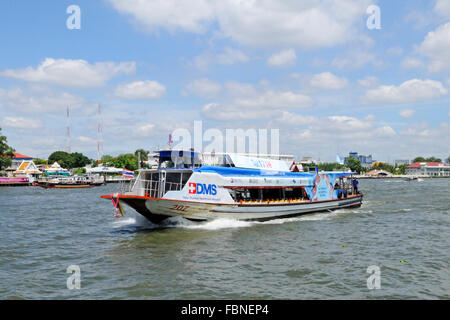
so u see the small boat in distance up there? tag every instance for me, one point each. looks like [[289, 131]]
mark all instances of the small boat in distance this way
[[242, 188], [71, 182]]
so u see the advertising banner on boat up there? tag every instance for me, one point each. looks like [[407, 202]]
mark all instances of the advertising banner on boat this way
[[258, 163], [323, 188]]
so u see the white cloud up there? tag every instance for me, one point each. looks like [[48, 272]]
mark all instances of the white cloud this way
[[283, 58], [21, 123], [21, 102], [368, 82], [311, 24], [407, 113], [140, 90], [221, 112], [354, 60], [442, 8], [286, 118], [346, 123], [145, 130], [271, 99], [411, 63], [327, 81], [413, 90], [384, 131], [204, 88], [395, 51], [71, 73], [231, 56], [86, 140], [246, 102], [436, 46], [238, 89]]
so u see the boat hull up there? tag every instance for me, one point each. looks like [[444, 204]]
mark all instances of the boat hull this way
[[158, 209], [48, 185]]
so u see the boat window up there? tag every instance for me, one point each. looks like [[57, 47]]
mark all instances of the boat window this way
[[268, 194], [167, 164], [295, 193]]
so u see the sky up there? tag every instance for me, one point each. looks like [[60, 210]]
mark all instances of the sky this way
[[323, 73]]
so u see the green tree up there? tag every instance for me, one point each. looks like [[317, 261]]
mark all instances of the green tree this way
[[430, 159], [128, 161], [63, 158], [354, 165], [108, 160], [143, 153], [401, 169], [80, 171], [69, 160], [433, 159], [142, 156], [38, 161], [383, 166], [79, 160], [330, 166], [448, 159], [6, 152]]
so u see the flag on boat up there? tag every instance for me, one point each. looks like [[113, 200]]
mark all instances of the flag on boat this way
[[128, 173]]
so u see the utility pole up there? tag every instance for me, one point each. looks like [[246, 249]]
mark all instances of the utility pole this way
[[68, 147], [99, 135]]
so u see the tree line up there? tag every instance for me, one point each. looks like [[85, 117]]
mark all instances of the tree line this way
[[355, 165]]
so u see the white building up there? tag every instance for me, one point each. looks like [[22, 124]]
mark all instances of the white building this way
[[428, 169]]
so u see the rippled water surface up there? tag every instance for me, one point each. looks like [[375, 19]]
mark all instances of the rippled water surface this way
[[403, 227]]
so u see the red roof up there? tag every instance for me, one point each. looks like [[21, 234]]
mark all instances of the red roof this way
[[428, 164], [21, 156]]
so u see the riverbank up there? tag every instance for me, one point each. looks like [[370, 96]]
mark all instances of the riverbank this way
[[399, 176]]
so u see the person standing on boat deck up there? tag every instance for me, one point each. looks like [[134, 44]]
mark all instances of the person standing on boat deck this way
[[355, 186]]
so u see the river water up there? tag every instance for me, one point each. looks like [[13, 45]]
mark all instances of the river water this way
[[403, 228]]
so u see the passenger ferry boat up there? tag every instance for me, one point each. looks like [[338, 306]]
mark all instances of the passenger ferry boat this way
[[242, 188], [71, 182]]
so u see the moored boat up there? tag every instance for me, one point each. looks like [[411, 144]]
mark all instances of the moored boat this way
[[243, 188], [64, 182]]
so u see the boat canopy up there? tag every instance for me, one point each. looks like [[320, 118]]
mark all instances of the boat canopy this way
[[231, 171], [178, 159]]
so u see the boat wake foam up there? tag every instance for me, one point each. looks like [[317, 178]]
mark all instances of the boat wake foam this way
[[133, 223], [139, 222]]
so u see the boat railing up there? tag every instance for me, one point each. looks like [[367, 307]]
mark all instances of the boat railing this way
[[148, 188]]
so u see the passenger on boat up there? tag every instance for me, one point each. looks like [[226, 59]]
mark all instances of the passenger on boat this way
[[355, 186]]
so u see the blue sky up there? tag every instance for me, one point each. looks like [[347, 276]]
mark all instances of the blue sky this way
[[311, 69]]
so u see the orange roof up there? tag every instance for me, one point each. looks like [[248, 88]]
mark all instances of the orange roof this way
[[21, 156]]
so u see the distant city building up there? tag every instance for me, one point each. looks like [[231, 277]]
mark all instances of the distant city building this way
[[401, 162], [366, 161], [428, 169], [307, 160]]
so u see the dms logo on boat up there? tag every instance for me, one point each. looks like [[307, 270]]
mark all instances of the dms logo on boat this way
[[202, 188]]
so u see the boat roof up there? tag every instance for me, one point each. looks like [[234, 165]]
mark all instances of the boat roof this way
[[231, 171]]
